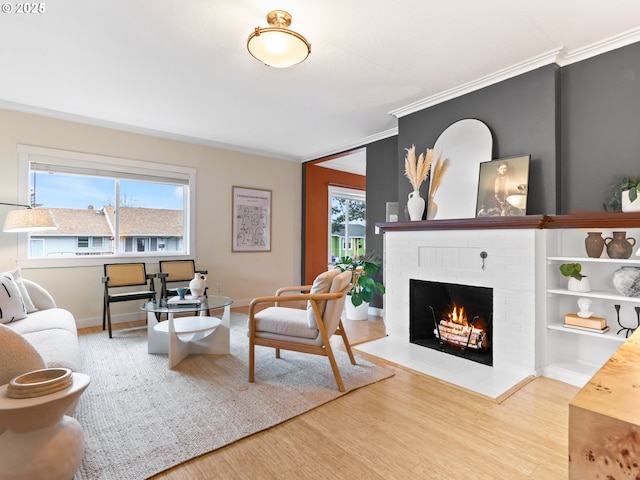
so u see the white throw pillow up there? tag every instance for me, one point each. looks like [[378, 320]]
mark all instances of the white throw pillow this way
[[321, 284], [17, 276], [11, 303]]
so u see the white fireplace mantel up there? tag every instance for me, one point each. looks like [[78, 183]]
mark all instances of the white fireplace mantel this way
[[515, 268]]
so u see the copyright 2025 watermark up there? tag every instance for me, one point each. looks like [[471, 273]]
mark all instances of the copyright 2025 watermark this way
[[24, 8]]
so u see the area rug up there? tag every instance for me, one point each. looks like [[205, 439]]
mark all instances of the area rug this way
[[140, 418]]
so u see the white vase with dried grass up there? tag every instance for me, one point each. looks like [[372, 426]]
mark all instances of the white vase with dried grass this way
[[417, 171]]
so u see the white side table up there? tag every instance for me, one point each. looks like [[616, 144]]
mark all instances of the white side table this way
[[41, 442]]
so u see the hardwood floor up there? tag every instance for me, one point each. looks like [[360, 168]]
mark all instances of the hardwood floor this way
[[408, 427]]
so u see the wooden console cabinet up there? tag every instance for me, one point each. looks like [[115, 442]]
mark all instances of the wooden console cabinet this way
[[604, 419]]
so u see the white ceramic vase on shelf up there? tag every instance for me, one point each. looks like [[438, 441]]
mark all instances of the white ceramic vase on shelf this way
[[576, 285], [415, 206], [197, 284]]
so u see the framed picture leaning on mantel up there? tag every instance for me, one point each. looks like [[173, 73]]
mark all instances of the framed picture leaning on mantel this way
[[503, 187], [251, 210]]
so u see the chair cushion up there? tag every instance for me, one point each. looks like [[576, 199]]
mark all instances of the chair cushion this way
[[322, 284], [333, 309], [12, 305], [290, 322]]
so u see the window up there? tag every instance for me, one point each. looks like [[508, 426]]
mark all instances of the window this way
[[105, 206], [347, 223]]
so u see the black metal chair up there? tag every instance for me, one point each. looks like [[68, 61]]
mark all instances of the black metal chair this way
[[121, 276]]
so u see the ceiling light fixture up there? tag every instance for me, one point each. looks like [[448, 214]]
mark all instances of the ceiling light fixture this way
[[277, 46], [30, 220]]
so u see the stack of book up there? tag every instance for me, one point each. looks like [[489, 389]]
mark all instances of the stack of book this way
[[590, 324], [187, 302]]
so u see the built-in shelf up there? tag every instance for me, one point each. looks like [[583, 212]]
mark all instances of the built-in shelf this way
[[635, 260], [610, 335], [575, 373], [594, 294]]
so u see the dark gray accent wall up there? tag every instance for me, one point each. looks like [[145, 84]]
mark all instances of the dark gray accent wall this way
[[382, 166], [600, 126], [523, 115], [580, 123]]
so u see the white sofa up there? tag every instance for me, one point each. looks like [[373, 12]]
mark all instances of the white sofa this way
[[49, 330]]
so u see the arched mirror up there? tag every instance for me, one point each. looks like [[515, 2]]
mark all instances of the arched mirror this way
[[466, 143]]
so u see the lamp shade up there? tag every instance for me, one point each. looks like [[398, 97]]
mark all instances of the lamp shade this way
[[29, 220], [276, 45]]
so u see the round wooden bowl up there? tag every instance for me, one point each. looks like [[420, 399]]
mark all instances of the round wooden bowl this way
[[39, 382]]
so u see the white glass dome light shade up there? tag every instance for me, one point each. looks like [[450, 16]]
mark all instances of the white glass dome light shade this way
[[275, 45]]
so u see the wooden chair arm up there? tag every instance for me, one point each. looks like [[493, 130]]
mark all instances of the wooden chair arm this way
[[299, 288], [276, 299]]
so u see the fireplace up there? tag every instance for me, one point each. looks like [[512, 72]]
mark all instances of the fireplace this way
[[452, 318]]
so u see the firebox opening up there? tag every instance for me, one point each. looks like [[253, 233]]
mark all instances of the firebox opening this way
[[452, 318]]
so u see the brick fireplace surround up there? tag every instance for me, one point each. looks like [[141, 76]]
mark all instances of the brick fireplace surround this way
[[450, 251]]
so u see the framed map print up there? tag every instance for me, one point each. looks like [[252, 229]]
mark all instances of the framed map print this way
[[251, 220]]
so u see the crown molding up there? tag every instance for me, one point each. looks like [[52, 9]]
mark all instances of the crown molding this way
[[84, 120], [359, 144], [613, 43], [559, 56], [499, 76]]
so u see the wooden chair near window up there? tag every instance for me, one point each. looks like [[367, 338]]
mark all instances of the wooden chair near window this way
[[118, 280], [306, 331], [178, 273]]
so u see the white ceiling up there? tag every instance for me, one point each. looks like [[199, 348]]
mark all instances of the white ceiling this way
[[181, 69]]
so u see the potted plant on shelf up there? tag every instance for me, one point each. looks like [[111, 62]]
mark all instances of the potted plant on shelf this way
[[624, 196], [577, 281], [364, 286]]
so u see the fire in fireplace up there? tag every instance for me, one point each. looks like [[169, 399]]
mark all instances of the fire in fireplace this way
[[455, 328], [452, 318]]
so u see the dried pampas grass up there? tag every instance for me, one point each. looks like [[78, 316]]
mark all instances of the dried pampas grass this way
[[417, 171], [439, 169]]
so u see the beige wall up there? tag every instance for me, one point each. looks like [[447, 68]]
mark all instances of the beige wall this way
[[242, 275]]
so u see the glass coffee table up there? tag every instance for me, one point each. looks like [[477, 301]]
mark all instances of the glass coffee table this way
[[188, 330]]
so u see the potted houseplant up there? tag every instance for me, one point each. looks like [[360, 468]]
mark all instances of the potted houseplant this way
[[623, 196], [364, 286], [577, 281]]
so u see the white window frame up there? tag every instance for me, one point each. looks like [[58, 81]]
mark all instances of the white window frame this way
[[28, 153], [346, 193]]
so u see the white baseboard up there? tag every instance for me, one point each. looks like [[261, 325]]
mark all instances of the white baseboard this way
[[115, 319]]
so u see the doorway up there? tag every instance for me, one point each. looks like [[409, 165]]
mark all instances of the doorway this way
[[318, 177]]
